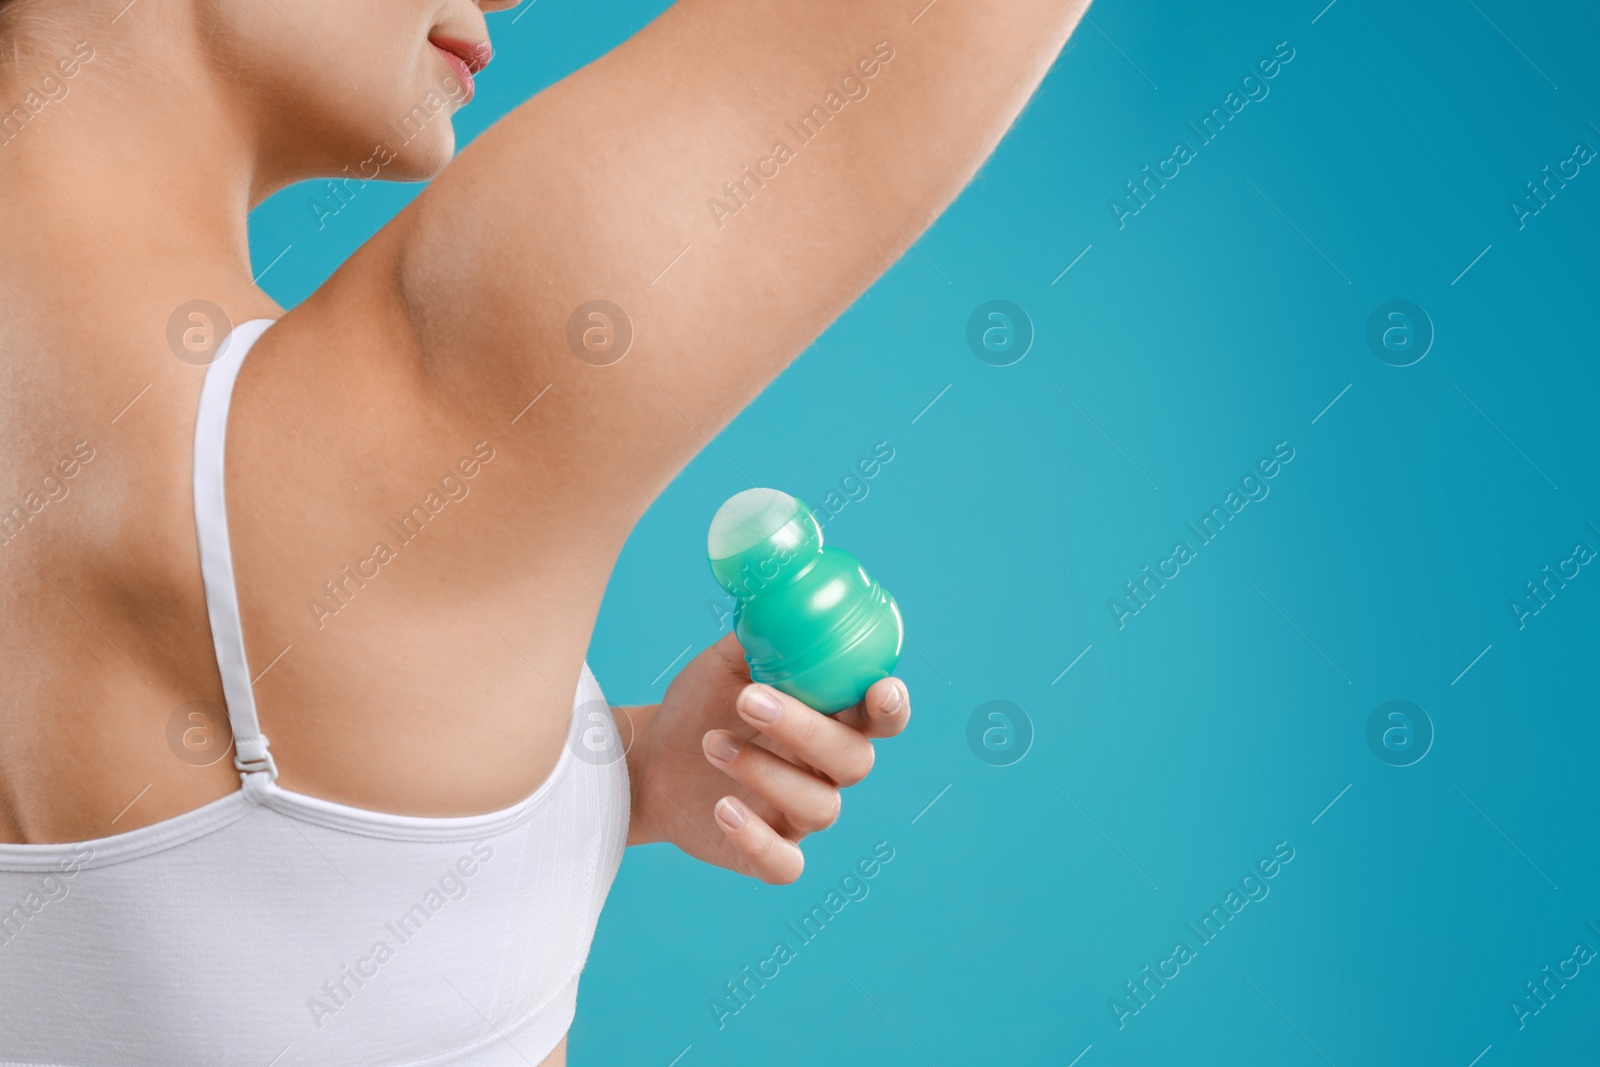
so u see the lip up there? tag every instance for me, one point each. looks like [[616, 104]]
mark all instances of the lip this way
[[466, 58]]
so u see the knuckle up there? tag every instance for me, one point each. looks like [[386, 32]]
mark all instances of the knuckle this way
[[899, 720], [760, 849], [802, 725], [788, 870], [857, 764], [765, 774], [818, 813], [834, 810]]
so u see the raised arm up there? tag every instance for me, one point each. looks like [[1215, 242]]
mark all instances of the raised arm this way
[[732, 177]]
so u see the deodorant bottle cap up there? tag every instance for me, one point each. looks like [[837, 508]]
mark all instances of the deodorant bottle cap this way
[[761, 538]]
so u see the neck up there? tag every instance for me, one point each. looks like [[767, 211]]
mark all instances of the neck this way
[[128, 179]]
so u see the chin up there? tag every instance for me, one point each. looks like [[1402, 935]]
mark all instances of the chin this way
[[391, 153], [422, 158], [422, 139]]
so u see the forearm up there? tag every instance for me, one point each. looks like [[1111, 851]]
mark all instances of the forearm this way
[[636, 148], [910, 136]]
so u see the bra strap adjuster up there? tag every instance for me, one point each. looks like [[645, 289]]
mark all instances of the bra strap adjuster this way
[[252, 757]]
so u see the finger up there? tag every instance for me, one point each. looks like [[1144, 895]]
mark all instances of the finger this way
[[772, 858], [884, 711], [807, 802], [834, 749]]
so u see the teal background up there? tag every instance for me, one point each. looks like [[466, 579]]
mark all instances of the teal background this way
[[1229, 712]]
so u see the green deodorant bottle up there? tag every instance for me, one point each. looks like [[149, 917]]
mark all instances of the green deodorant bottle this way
[[812, 623]]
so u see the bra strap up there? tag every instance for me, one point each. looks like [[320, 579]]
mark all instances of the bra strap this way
[[251, 754]]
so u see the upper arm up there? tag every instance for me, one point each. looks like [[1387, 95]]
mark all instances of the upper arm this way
[[612, 185]]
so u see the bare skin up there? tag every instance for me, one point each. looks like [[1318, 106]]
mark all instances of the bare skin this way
[[444, 685]]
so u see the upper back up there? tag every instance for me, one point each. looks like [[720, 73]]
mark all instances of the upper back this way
[[439, 684], [106, 630], [306, 926]]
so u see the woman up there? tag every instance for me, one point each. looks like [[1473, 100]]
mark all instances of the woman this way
[[431, 466]]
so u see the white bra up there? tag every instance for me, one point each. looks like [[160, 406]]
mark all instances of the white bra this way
[[273, 929]]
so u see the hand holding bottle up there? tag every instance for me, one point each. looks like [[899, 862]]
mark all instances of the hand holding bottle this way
[[787, 764]]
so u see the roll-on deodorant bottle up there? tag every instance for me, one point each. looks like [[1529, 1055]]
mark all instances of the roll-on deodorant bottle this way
[[812, 623]]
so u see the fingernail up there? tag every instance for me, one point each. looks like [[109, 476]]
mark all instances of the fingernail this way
[[897, 696], [761, 704], [721, 746], [729, 813]]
